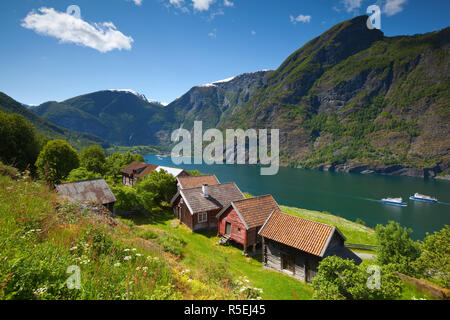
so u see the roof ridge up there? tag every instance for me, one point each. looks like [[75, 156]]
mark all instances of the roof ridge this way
[[80, 181], [257, 197]]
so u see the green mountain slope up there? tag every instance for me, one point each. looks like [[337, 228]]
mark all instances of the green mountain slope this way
[[120, 117], [354, 100], [349, 100], [215, 102], [45, 127]]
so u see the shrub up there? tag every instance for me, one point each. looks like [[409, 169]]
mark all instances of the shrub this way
[[8, 171], [434, 261], [56, 161], [147, 234], [395, 247], [172, 244]]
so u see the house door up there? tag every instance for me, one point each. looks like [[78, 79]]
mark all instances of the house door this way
[[287, 262], [228, 228]]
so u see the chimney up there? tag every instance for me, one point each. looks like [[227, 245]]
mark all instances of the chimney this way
[[205, 190]]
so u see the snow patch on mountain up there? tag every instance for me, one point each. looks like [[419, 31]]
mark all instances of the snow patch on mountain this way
[[139, 95]]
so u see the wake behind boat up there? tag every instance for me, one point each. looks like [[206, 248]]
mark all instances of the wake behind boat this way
[[394, 202], [423, 198]]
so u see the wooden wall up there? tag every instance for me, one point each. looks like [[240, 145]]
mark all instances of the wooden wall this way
[[305, 264], [231, 216]]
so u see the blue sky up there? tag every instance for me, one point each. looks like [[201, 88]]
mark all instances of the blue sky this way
[[162, 48]]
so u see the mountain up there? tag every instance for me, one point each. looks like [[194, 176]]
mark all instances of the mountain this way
[[215, 102], [45, 127], [354, 100], [121, 117], [349, 100]]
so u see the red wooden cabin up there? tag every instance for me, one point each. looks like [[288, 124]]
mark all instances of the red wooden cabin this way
[[241, 220]]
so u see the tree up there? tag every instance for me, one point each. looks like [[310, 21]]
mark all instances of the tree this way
[[56, 160], [117, 161], [395, 247], [127, 198], [19, 145], [157, 187], [339, 279], [81, 174], [434, 262], [93, 159]]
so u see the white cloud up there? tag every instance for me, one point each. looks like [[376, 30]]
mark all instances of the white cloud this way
[[393, 7], [253, 32], [137, 2], [351, 5], [300, 18], [176, 3], [213, 34], [202, 5], [228, 3], [103, 37]]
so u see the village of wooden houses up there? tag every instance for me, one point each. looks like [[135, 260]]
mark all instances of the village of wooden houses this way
[[288, 244]]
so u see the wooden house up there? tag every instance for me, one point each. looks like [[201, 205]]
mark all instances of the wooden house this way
[[189, 182], [295, 246], [135, 171], [176, 172], [139, 170], [89, 190], [241, 220], [197, 207]]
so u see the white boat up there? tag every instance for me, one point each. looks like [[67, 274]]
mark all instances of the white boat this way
[[421, 197], [394, 202]]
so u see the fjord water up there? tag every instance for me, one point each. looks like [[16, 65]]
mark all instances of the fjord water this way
[[350, 196]]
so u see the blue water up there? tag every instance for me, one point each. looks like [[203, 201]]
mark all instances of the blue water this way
[[347, 195]]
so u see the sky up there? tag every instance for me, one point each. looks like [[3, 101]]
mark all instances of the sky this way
[[57, 49]]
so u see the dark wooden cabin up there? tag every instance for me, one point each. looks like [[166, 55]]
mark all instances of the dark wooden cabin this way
[[241, 220], [296, 246], [89, 190], [197, 207], [135, 171]]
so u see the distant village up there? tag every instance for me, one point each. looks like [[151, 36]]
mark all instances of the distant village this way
[[288, 244]]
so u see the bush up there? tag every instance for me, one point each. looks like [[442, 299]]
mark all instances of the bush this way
[[19, 145], [434, 261], [81, 174], [172, 244], [339, 279], [148, 234], [395, 247], [157, 187], [93, 159], [8, 171], [56, 161]]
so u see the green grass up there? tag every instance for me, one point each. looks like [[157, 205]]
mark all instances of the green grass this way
[[201, 249], [410, 292], [354, 232]]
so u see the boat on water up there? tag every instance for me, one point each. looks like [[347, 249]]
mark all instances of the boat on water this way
[[421, 197], [394, 202]]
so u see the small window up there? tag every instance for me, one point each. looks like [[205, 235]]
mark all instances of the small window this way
[[202, 217], [239, 229]]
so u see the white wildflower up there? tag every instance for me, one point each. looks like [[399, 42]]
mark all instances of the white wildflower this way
[[127, 258], [117, 264]]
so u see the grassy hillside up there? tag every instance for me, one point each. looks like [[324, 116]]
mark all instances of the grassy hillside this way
[[140, 257], [44, 127]]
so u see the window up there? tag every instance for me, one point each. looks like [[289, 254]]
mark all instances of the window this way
[[239, 229], [202, 217]]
